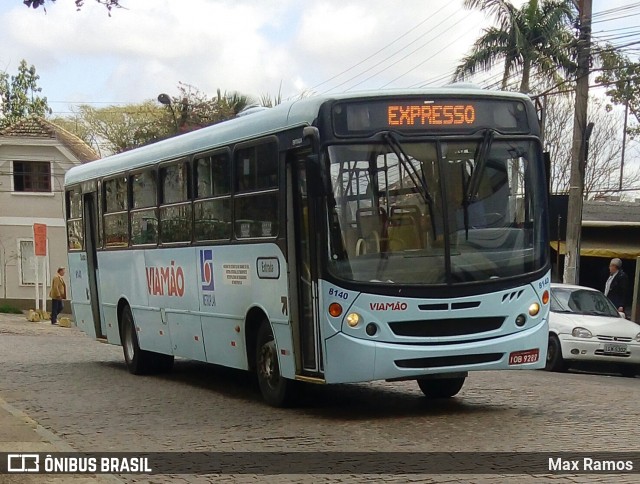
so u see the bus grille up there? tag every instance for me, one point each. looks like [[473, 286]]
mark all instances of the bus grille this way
[[442, 361], [446, 327]]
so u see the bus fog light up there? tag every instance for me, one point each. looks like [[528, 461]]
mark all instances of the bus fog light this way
[[534, 309], [521, 320], [353, 319], [371, 329], [335, 309]]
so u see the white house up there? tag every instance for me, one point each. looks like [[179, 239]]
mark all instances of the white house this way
[[34, 156]]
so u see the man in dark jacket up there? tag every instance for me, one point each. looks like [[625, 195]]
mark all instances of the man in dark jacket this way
[[616, 286]]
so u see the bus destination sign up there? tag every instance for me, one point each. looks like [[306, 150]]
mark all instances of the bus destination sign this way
[[357, 118], [431, 114]]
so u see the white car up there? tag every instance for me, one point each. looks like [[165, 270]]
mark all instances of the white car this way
[[585, 327]]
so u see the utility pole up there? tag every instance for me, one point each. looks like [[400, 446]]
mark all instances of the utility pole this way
[[578, 148], [624, 140]]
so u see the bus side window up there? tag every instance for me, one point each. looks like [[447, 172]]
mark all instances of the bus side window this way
[[116, 225], [144, 214], [75, 239], [212, 206], [256, 197], [175, 207]]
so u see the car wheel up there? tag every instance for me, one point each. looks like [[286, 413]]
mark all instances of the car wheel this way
[[629, 371], [555, 362], [440, 387]]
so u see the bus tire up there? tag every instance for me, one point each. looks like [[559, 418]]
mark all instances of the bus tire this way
[[440, 387], [139, 362], [555, 361], [162, 363], [276, 390]]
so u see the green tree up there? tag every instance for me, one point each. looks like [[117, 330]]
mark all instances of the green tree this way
[[621, 77], [109, 4], [114, 129], [19, 95], [193, 109], [536, 37]]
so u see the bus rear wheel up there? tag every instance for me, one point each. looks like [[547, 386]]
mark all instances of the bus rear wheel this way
[[140, 362], [440, 387], [276, 390]]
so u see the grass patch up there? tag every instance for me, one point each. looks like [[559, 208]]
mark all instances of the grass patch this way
[[8, 309]]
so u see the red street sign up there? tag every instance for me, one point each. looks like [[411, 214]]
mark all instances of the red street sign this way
[[40, 239]]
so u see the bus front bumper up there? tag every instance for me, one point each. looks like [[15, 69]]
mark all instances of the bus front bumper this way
[[352, 360]]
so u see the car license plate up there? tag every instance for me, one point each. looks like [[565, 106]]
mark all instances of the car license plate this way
[[526, 356], [615, 349]]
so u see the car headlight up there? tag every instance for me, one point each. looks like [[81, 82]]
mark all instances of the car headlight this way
[[638, 337], [581, 332]]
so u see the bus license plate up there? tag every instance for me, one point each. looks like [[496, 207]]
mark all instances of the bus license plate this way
[[615, 349], [526, 356]]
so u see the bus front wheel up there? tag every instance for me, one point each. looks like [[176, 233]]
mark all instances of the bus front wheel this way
[[440, 387], [276, 390]]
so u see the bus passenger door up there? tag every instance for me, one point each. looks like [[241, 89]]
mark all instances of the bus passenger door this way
[[90, 208], [305, 278]]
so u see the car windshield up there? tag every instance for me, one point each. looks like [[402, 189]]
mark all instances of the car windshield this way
[[582, 301], [436, 212]]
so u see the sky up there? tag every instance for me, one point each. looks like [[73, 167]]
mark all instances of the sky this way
[[256, 47]]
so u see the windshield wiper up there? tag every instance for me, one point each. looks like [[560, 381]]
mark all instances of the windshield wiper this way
[[417, 179], [476, 175]]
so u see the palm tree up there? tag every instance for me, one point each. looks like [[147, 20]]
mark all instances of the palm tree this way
[[538, 37]]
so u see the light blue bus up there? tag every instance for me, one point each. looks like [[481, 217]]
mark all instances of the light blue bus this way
[[350, 238]]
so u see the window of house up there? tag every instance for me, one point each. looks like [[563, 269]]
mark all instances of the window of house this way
[[212, 207], [116, 226], [175, 207], [31, 176], [256, 199], [28, 263]]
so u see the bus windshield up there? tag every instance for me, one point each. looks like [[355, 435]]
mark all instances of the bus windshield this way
[[436, 212]]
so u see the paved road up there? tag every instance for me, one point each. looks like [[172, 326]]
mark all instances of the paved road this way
[[80, 390]]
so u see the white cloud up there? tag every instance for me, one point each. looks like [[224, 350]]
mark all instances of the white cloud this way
[[251, 45]]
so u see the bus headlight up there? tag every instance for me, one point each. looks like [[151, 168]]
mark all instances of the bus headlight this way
[[534, 309], [353, 319], [581, 333], [638, 337]]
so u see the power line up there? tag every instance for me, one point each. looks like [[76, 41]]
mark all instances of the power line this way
[[394, 63], [429, 17], [386, 59], [417, 65]]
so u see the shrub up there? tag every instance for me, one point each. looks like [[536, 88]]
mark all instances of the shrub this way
[[6, 308]]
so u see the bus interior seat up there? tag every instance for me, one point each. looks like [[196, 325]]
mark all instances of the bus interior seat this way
[[371, 224], [405, 224], [403, 233]]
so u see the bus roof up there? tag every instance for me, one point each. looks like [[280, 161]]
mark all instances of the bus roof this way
[[262, 123]]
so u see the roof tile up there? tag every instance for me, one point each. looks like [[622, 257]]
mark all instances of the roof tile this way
[[36, 127]]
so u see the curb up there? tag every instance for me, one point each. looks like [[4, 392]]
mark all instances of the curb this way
[[49, 437]]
